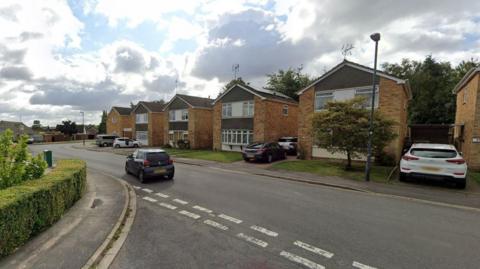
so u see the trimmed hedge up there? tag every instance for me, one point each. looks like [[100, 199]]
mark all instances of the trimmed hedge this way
[[33, 206]]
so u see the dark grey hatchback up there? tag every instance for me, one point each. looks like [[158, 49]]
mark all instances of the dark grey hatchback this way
[[150, 163]]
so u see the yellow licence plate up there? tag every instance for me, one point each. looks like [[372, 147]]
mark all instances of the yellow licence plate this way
[[431, 169], [159, 171]]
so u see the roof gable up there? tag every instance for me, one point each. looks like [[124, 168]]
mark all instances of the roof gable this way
[[190, 101], [468, 76], [263, 94], [124, 111]]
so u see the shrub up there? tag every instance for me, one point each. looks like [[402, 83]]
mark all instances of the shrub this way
[[16, 164], [31, 207]]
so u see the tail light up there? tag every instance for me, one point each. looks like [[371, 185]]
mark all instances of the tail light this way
[[146, 163], [170, 161], [456, 161], [409, 158]]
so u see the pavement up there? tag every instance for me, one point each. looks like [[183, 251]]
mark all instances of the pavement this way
[[71, 241], [214, 217]]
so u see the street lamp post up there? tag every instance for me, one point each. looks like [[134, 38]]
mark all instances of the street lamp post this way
[[83, 124], [375, 37]]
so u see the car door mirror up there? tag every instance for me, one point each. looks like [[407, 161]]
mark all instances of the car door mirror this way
[[461, 153]]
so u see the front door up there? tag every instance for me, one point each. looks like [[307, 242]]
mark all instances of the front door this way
[[142, 137]]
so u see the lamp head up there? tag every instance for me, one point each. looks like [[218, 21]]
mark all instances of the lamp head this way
[[375, 37]]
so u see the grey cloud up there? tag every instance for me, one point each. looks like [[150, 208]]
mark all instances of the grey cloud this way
[[15, 73], [25, 36], [12, 56], [163, 84], [10, 12], [129, 60]]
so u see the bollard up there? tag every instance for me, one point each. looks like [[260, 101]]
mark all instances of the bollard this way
[[48, 157]]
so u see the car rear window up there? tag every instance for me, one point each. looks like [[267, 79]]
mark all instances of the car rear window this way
[[434, 153], [255, 146], [287, 140], [157, 156]]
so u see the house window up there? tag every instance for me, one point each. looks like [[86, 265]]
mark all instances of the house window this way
[[114, 120], [367, 93], [237, 137], [141, 118], [185, 114], [285, 110], [321, 99], [247, 109], [227, 110], [465, 96], [171, 115]]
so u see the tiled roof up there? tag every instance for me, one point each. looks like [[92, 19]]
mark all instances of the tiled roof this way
[[154, 106], [269, 94], [125, 111], [197, 101]]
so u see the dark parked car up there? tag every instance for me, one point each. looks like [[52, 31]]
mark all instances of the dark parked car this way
[[150, 163], [267, 152]]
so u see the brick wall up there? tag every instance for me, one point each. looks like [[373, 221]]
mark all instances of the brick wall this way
[[165, 127], [276, 124], [305, 113], [200, 128], [393, 104], [259, 119], [468, 114], [156, 125], [217, 126], [121, 122]]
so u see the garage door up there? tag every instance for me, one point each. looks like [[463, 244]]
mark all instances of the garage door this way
[[142, 137]]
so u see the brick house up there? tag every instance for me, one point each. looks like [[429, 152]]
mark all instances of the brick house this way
[[243, 114], [188, 118], [467, 118], [119, 122], [149, 123], [345, 81]]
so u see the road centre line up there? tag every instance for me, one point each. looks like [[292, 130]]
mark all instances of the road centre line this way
[[189, 214], [301, 260], [161, 195], [362, 266], [232, 219], [216, 225], [313, 249], [180, 201], [169, 206], [253, 240], [199, 208], [264, 231], [147, 190], [149, 199]]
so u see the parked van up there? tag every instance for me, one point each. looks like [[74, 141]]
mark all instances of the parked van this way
[[105, 140]]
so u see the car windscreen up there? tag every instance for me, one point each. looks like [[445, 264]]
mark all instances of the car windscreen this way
[[157, 156], [434, 153], [285, 140], [256, 146]]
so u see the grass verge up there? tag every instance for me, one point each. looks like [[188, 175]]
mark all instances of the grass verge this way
[[334, 168], [209, 155], [475, 176]]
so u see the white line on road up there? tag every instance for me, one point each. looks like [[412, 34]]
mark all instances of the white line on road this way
[[362, 266], [189, 214], [301, 260], [180, 201], [169, 206], [199, 208], [147, 190], [232, 219], [216, 225], [253, 240], [149, 199], [136, 187], [161, 195], [313, 249], [264, 231]]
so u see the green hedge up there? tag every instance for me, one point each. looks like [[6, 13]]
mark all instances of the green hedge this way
[[31, 207]]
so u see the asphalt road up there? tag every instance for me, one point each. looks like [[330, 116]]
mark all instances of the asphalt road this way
[[213, 218]]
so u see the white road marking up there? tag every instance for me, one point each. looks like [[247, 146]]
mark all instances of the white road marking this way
[[362, 266], [197, 207], [149, 199], [169, 206], [216, 225], [232, 219], [264, 231], [301, 260], [180, 201], [161, 195], [253, 240], [313, 249], [189, 214], [136, 187], [147, 190]]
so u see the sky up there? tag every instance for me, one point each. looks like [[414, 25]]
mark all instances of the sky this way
[[58, 58]]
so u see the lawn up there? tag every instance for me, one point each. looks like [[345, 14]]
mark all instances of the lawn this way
[[209, 155], [475, 176], [334, 168]]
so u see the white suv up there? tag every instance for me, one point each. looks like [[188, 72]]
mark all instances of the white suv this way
[[437, 161], [125, 142]]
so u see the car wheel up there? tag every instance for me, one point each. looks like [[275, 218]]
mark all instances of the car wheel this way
[[117, 146], [126, 170], [170, 176], [141, 177], [269, 158], [135, 145], [462, 185], [402, 177], [246, 160]]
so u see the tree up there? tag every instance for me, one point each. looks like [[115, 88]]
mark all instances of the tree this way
[[432, 83], [288, 81], [102, 127], [67, 128], [343, 127]]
